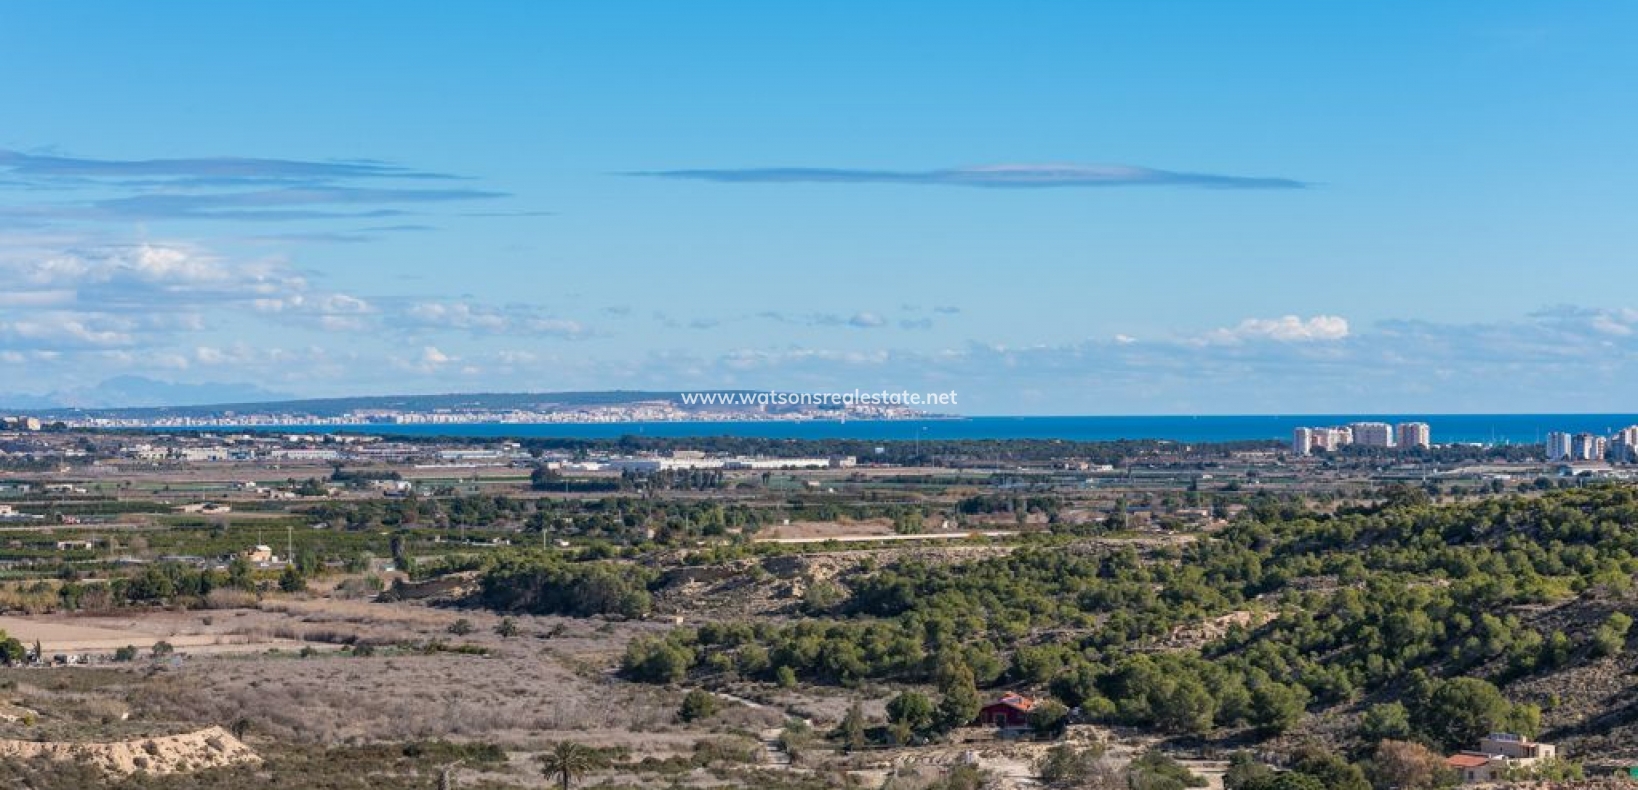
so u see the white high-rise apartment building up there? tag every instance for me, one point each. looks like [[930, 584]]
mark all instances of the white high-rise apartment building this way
[[1409, 435], [1372, 434], [1560, 446], [1624, 445], [1330, 439], [1415, 434], [1588, 447]]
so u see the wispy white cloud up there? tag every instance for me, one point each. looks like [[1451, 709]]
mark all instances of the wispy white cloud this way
[[22, 165], [1005, 176], [863, 319], [430, 361], [66, 331], [133, 295], [1286, 329], [67, 189], [484, 319], [866, 320]]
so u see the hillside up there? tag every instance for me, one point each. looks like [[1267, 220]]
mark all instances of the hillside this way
[[1384, 621]]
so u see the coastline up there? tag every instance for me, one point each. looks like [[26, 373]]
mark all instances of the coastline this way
[[1502, 429]]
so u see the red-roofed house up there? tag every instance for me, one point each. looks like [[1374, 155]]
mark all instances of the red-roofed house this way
[[1009, 712], [1497, 755], [1473, 767]]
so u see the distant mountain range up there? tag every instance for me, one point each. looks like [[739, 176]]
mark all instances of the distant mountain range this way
[[123, 392]]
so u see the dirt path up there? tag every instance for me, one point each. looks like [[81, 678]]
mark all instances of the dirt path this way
[[58, 635]]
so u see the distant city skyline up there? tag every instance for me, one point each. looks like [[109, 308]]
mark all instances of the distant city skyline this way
[[1099, 208]]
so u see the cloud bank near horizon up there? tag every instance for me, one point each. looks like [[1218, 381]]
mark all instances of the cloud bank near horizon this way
[[1318, 363]]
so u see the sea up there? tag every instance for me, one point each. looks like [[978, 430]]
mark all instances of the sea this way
[[1489, 429]]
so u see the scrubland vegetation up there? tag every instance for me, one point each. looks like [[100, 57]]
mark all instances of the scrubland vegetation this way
[[1343, 637]]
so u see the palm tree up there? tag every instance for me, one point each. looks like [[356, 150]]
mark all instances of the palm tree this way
[[568, 760]]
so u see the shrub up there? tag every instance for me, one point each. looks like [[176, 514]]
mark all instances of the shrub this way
[[1409, 766], [1050, 717], [654, 660], [698, 704], [1611, 637], [1155, 771]]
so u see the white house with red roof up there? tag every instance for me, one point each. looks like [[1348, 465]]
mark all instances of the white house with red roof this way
[[1499, 755]]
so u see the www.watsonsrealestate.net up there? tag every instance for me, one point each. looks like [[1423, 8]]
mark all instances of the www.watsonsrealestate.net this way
[[821, 399]]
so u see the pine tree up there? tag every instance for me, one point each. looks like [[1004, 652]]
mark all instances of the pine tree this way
[[853, 727]]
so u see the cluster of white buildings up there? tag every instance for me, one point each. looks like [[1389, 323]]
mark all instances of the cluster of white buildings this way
[[310, 448], [8, 513], [1623, 446], [696, 459], [20, 424], [636, 411], [1404, 436]]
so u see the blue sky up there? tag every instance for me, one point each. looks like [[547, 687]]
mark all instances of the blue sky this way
[[1090, 208]]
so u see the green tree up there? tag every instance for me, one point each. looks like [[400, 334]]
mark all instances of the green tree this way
[[1611, 637], [11, 650], [958, 703], [1387, 721], [1155, 771], [1294, 780], [150, 585], [291, 580], [654, 660], [567, 761], [698, 704], [241, 574], [1276, 707], [1333, 772], [507, 628], [1187, 707], [853, 726], [1049, 718], [909, 522], [1460, 711], [1245, 773], [912, 709]]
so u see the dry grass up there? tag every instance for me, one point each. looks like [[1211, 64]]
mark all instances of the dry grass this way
[[552, 678], [343, 699], [226, 598], [29, 598]]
